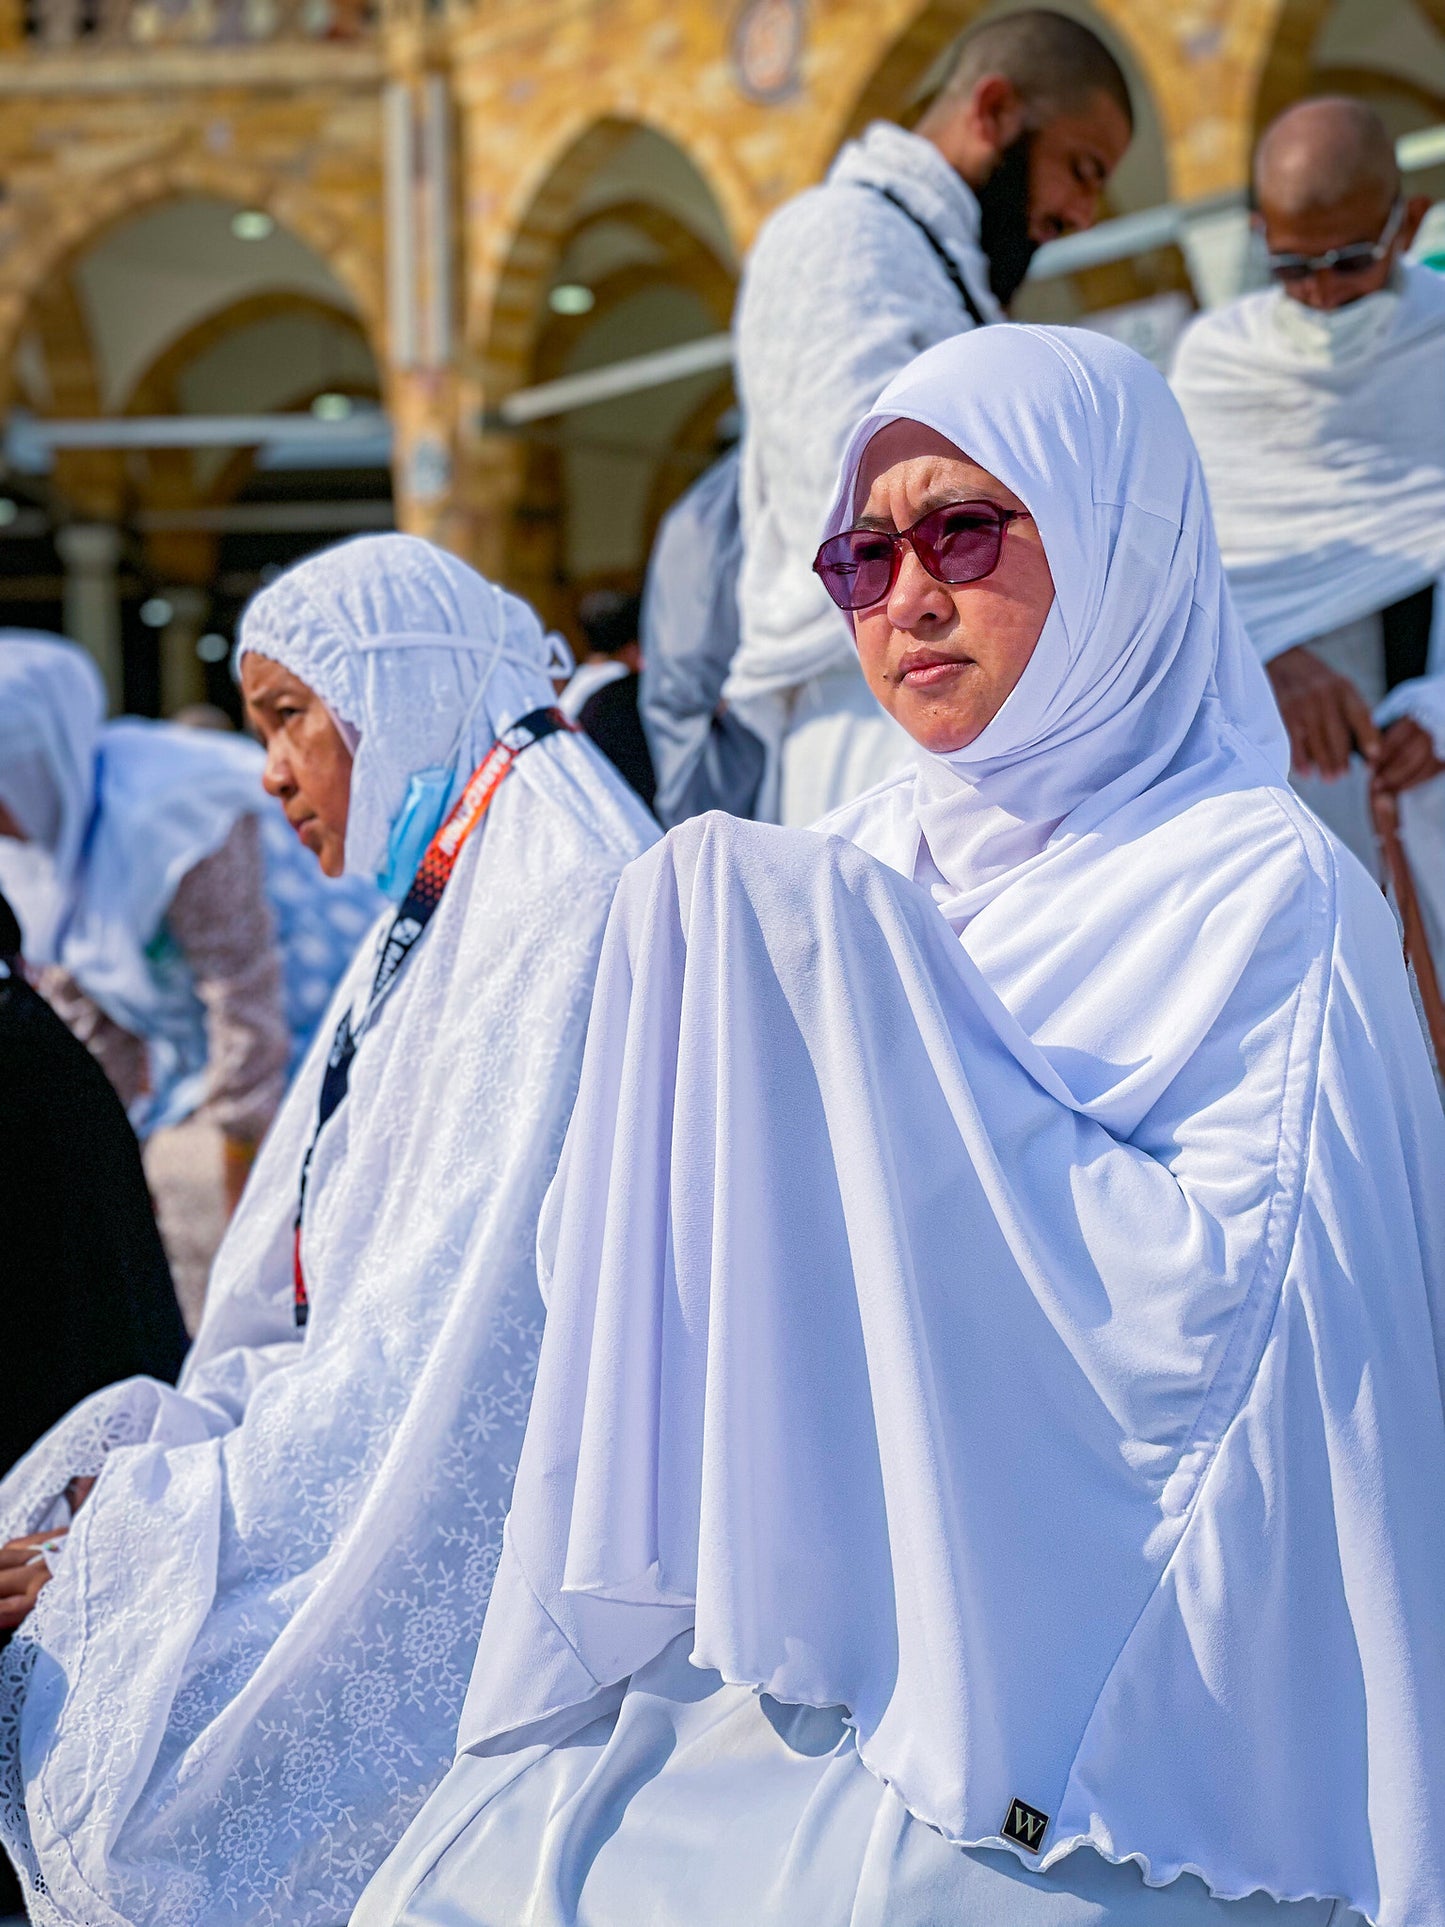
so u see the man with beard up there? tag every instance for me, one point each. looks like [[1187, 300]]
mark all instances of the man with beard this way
[[913, 237]]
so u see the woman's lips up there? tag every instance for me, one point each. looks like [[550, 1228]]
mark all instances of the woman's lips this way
[[301, 825], [926, 668]]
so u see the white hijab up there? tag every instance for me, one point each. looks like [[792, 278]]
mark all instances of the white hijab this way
[[1142, 634], [1021, 1325], [1327, 471], [119, 813], [246, 1673], [396, 637]]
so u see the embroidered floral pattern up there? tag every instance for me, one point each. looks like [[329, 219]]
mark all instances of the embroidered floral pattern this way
[[264, 1625]]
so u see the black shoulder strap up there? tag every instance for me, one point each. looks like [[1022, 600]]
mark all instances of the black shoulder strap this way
[[945, 259]]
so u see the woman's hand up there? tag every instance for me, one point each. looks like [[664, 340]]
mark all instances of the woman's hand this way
[[23, 1571]]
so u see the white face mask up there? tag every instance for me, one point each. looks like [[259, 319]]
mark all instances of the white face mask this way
[[1330, 336]]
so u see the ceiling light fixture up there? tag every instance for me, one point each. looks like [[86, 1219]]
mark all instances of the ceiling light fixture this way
[[252, 224], [213, 648], [570, 297], [156, 612]]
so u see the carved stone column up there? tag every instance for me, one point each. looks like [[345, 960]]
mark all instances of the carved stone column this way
[[90, 552], [183, 679]]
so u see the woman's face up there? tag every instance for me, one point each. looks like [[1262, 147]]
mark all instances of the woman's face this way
[[943, 658], [308, 766]]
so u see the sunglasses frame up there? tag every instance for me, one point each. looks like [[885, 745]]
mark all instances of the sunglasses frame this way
[[903, 539], [1357, 257]]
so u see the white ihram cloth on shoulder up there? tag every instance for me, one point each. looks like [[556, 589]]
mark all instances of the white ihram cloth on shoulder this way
[[1326, 473], [117, 815], [842, 289], [246, 1673], [994, 1270]]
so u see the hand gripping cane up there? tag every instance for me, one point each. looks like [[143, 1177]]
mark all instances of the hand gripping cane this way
[[1385, 808]]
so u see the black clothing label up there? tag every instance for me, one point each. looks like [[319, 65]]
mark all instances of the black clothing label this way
[[1025, 1825]]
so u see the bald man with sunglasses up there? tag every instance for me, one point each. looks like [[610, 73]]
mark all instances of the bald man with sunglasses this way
[[1319, 410]]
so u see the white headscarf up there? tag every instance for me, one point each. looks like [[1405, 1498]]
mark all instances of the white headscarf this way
[[395, 636], [120, 812], [52, 704], [1142, 633], [247, 1671], [1327, 472], [1023, 1325]]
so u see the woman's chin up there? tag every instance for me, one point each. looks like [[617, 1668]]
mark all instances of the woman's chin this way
[[940, 728]]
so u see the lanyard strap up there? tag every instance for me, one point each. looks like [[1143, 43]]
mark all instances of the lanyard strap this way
[[407, 927], [945, 259]]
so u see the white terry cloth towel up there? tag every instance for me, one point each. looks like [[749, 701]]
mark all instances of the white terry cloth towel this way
[[117, 815], [1325, 458], [994, 1272], [247, 1670], [842, 289]]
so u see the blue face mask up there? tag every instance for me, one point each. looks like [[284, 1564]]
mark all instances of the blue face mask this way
[[428, 792], [417, 822]]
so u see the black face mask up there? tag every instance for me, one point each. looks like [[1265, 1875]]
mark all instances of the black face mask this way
[[1003, 204]]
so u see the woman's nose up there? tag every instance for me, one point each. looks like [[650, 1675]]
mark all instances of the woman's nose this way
[[916, 598], [277, 779]]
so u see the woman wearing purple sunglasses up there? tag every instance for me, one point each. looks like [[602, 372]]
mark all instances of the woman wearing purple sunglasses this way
[[987, 1455]]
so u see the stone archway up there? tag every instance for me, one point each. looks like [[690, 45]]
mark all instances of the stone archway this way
[[1303, 57], [630, 212], [57, 231], [898, 84], [891, 88], [1286, 68], [136, 303]]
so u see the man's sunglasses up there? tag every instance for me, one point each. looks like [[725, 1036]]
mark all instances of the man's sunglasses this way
[[961, 542], [1358, 258]]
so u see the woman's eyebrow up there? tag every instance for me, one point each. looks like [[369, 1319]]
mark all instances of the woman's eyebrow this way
[[944, 496]]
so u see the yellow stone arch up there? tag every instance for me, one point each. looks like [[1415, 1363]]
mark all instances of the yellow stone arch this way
[[64, 227], [1286, 68], [912, 35], [532, 231]]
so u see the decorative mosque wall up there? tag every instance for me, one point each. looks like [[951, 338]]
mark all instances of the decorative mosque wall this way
[[435, 178]]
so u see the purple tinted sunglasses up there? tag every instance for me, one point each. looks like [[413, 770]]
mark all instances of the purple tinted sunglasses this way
[[960, 542]]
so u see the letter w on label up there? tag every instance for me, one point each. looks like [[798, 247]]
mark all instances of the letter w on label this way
[[1025, 1825]]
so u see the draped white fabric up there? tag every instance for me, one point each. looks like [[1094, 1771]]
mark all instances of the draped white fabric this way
[[247, 1670], [122, 811], [52, 705], [1327, 474], [695, 1801], [1021, 1325], [1423, 698], [1326, 471]]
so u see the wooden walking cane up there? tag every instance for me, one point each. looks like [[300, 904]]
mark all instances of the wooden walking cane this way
[[1385, 808]]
